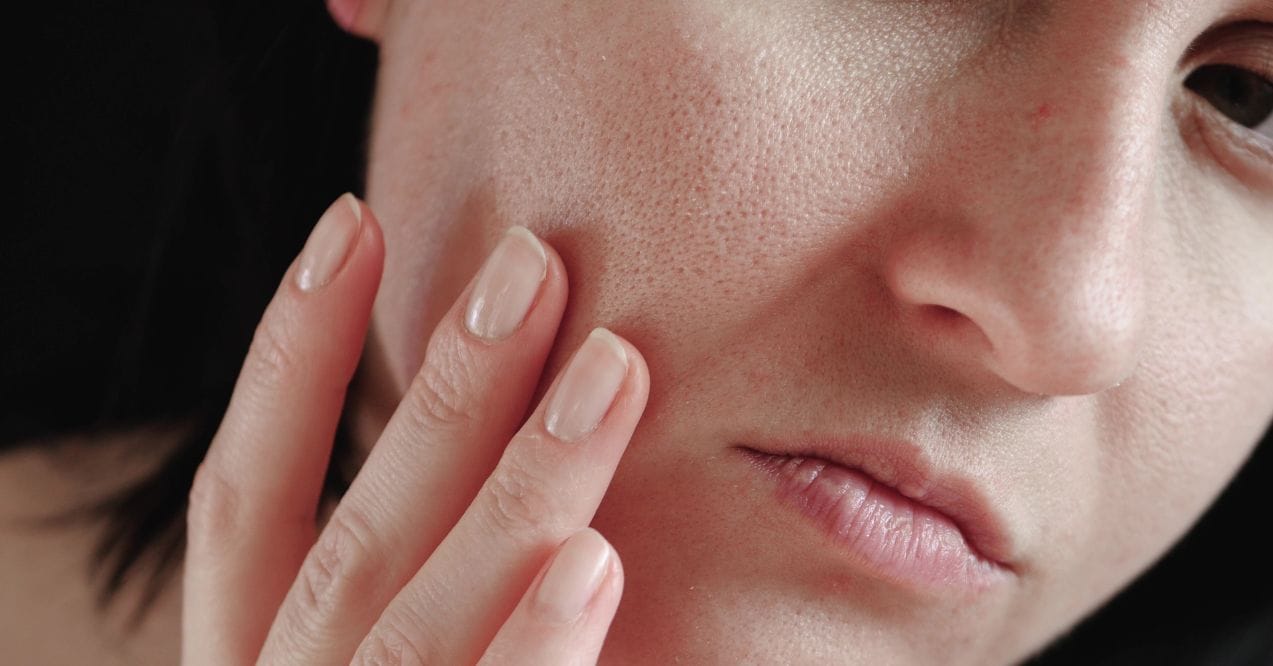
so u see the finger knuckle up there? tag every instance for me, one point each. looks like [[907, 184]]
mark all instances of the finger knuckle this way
[[388, 645], [271, 359], [523, 504], [440, 391], [338, 573], [212, 509]]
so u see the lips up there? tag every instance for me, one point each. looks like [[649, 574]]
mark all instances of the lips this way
[[889, 513]]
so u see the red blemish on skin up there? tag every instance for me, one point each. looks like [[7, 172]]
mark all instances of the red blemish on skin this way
[[1040, 115]]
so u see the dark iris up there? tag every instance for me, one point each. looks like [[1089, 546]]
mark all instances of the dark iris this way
[[1244, 96]]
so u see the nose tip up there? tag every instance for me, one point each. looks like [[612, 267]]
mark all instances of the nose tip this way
[[1047, 328]]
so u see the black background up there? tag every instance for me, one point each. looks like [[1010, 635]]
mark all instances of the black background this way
[[171, 156]]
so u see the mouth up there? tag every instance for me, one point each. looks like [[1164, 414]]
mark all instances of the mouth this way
[[888, 514]]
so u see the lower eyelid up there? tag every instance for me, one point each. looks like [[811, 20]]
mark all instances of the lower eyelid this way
[[1266, 129], [1244, 154]]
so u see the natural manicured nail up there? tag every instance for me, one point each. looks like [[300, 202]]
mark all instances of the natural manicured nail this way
[[507, 285], [587, 387], [329, 244], [574, 577]]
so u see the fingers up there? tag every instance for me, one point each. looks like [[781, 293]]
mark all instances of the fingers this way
[[564, 616], [546, 486], [252, 505], [480, 370]]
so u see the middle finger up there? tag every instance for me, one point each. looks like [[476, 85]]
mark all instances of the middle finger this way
[[482, 365]]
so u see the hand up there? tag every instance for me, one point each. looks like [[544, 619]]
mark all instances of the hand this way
[[464, 536]]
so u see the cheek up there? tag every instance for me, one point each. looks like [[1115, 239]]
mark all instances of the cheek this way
[[1211, 359], [1175, 434], [696, 164]]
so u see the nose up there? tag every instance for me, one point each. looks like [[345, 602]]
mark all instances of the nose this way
[[1029, 253]]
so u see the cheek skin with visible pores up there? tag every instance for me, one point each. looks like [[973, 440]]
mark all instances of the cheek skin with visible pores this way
[[726, 182], [741, 177]]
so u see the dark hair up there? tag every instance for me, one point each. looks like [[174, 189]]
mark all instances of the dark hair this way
[[175, 159]]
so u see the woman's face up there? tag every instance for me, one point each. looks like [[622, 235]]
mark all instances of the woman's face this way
[[1002, 242]]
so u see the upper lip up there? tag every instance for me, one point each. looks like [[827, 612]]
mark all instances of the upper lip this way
[[903, 466]]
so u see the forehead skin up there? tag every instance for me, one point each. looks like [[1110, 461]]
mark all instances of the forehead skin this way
[[769, 199]]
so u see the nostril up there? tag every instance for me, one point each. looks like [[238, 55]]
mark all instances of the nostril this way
[[943, 314], [943, 319], [945, 326]]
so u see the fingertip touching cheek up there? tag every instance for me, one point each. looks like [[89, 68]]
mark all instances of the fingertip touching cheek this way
[[997, 236]]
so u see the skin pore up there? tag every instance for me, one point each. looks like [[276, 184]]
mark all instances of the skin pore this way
[[1004, 232]]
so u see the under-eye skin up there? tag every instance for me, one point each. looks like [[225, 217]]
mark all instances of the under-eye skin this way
[[1246, 155]]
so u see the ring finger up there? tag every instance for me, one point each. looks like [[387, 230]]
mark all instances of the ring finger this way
[[547, 486]]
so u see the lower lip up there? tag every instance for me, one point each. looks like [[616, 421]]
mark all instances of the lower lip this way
[[889, 536]]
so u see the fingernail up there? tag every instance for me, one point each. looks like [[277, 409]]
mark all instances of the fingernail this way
[[507, 285], [587, 387], [329, 243], [344, 13], [574, 577]]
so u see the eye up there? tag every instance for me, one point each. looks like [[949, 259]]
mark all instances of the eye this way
[[1243, 96]]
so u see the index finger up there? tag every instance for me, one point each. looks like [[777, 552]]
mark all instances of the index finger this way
[[252, 506]]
